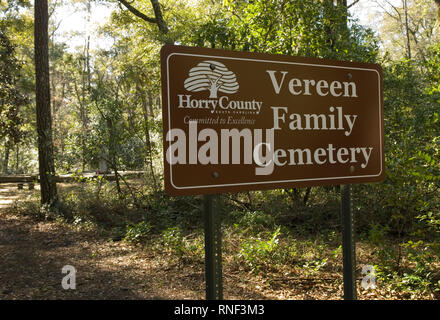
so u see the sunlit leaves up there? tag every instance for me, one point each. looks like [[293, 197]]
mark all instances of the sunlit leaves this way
[[306, 28]]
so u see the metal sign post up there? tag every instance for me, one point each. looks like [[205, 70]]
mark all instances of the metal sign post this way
[[213, 248], [348, 245]]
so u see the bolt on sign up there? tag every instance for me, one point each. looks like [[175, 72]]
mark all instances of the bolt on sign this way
[[237, 121]]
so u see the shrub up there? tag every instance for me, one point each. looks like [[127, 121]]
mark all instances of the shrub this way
[[258, 253], [137, 233]]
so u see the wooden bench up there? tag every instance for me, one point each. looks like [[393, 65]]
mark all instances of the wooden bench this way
[[20, 180], [67, 178]]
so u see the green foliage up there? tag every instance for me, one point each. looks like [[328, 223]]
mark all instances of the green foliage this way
[[185, 248], [172, 238], [431, 219], [258, 253], [378, 234], [61, 211], [137, 233], [11, 98], [315, 265], [305, 28], [411, 153], [410, 36], [17, 113], [423, 274], [432, 65], [253, 222], [416, 275]]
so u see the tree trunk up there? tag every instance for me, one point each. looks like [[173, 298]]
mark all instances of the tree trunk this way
[[6, 158], [148, 138], [113, 155], [85, 87], [17, 157], [408, 42], [44, 120], [438, 10]]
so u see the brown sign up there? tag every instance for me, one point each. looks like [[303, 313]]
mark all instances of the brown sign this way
[[236, 121]]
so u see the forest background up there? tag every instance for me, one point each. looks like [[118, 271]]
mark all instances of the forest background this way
[[105, 109]]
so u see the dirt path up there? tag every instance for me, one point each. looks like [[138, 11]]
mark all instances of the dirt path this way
[[32, 255]]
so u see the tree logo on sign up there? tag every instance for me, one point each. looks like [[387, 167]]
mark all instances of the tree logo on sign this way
[[212, 76]]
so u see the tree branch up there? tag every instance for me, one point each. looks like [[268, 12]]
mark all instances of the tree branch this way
[[398, 17], [137, 13], [352, 4], [158, 19]]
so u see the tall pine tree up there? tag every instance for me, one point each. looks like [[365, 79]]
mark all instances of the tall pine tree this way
[[44, 119]]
